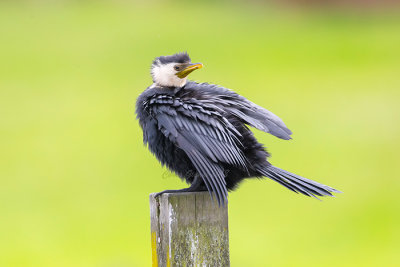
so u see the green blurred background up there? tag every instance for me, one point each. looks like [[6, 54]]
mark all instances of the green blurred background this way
[[75, 176]]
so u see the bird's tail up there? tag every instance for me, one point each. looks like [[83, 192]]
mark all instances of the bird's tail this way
[[297, 183]]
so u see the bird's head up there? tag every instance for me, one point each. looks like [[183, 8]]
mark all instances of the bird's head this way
[[172, 71]]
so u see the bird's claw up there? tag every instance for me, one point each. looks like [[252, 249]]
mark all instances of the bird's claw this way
[[170, 191]]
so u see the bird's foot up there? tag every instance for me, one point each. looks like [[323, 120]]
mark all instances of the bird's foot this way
[[171, 191], [179, 191]]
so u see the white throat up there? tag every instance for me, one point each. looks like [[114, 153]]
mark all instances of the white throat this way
[[164, 75]]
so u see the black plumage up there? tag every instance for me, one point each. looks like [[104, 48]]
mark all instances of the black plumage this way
[[200, 132], [177, 58]]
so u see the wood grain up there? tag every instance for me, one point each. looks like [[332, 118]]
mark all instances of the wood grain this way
[[189, 229]]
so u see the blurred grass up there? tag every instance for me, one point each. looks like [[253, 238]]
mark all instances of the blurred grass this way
[[75, 176]]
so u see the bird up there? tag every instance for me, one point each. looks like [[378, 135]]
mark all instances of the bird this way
[[201, 132]]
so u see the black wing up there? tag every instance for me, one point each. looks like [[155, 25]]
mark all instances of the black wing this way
[[200, 130], [259, 117], [245, 110]]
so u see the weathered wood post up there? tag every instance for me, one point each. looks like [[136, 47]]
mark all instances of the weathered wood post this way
[[188, 229]]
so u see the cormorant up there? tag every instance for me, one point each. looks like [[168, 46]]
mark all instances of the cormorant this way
[[200, 132]]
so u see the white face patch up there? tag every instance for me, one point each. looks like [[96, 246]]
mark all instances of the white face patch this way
[[164, 75]]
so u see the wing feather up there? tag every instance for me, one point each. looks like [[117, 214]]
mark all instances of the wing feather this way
[[240, 107], [207, 138]]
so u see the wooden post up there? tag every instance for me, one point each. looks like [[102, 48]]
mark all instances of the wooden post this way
[[188, 229]]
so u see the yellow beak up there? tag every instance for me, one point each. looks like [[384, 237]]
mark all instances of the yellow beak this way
[[186, 71]]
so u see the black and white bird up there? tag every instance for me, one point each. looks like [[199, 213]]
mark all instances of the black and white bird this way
[[200, 132]]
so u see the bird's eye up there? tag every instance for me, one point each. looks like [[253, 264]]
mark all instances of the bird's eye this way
[[176, 67]]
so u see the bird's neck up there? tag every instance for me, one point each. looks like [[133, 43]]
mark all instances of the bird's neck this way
[[169, 81], [169, 86]]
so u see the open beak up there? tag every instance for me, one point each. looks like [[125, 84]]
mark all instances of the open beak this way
[[186, 71]]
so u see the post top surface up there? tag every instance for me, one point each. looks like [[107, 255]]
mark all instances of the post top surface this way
[[181, 194]]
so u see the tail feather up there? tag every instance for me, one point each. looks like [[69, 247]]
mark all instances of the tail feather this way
[[299, 188], [309, 181], [282, 182], [313, 188], [297, 183]]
